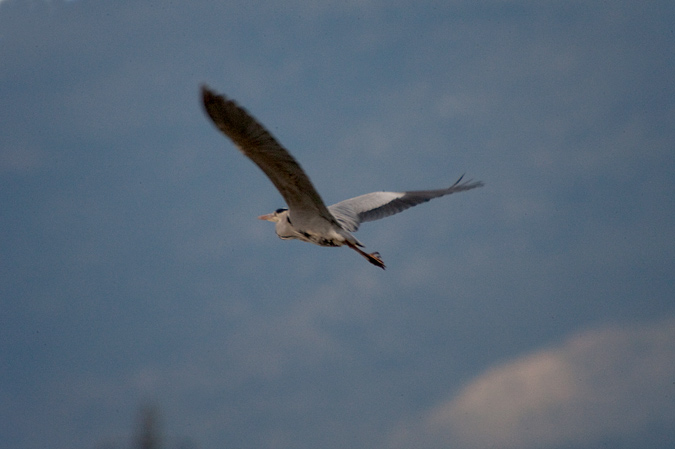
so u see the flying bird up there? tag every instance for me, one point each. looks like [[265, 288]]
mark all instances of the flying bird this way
[[307, 218]]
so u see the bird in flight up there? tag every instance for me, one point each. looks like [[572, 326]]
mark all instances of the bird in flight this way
[[307, 218]]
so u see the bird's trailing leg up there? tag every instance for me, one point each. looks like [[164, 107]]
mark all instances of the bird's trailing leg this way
[[373, 258]]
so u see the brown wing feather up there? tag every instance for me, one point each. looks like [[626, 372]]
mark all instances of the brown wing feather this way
[[262, 148]]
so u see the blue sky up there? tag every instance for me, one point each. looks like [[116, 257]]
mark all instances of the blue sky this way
[[535, 312]]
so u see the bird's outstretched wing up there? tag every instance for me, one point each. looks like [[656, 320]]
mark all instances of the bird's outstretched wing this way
[[262, 148], [373, 206]]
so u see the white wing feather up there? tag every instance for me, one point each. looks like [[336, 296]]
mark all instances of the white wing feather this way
[[373, 206]]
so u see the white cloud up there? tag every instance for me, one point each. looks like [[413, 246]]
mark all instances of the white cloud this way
[[598, 384]]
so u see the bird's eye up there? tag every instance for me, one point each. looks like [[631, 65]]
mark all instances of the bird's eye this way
[[278, 211]]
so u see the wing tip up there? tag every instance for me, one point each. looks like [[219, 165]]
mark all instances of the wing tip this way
[[468, 184], [222, 110], [209, 96]]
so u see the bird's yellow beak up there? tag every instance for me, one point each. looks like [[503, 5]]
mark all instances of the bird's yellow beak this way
[[267, 217]]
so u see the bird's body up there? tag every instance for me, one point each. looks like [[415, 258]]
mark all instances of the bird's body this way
[[307, 217], [322, 233]]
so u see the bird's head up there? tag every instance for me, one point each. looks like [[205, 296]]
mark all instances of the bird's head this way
[[274, 216]]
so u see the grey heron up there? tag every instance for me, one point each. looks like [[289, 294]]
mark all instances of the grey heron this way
[[307, 218]]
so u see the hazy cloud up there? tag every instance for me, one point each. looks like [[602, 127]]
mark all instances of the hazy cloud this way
[[607, 382]]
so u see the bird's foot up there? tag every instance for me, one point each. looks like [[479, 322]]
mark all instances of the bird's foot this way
[[375, 259]]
